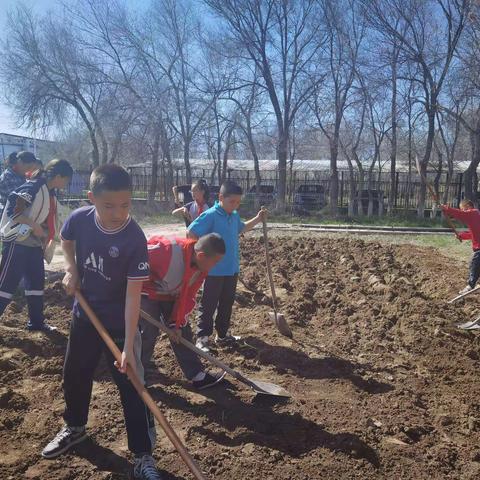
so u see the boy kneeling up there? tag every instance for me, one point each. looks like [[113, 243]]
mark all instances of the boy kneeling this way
[[177, 270]]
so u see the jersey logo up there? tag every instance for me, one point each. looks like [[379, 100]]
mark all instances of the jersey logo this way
[[114, 252], [95, 264], [143, 266]]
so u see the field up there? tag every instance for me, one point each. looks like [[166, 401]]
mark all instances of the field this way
[[383, 385]]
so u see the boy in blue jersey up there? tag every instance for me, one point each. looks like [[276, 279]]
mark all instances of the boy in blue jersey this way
[[221, 284], [106, 258]]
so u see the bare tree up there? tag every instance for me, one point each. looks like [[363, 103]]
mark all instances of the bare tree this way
[[48, 76], [280, 39], [345, 33], [427, 33]]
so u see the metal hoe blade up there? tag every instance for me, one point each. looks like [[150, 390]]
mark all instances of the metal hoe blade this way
[[473, 325], [281, 324], [267, 388]]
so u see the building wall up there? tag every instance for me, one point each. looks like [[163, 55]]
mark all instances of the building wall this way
[[15, 143]]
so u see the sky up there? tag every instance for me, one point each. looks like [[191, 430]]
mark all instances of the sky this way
[[7, 120]]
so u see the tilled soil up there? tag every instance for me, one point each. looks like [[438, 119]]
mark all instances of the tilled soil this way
[[383, 385]]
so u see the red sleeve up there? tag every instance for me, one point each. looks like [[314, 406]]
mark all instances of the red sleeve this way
[[466, 235], [461, 215]]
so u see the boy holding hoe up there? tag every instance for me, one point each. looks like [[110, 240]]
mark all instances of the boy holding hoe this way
[[106, 258], [178, 269], [221, 282], [470, 216]]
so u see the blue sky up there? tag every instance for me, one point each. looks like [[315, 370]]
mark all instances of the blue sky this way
[[7, 121]]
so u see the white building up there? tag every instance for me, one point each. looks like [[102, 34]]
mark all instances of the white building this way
[[15, 143]]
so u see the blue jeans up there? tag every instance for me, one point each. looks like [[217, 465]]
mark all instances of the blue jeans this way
[[474, 269]]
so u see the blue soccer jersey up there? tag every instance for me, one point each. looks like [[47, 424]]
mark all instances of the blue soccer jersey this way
[[106, 260]]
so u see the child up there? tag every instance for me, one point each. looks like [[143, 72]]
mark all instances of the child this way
[[106, 257], [192, 210], [470, 216], [17, 165], [221, 282], [177, 271], [27, 226]]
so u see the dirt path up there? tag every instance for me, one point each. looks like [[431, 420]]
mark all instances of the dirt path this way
[[384, 386]]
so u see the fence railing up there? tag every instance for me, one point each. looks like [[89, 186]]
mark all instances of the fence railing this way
[[407, 186]]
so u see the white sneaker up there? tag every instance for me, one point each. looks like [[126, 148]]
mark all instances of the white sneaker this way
[[467, 289], [203, 344], [145, 469]]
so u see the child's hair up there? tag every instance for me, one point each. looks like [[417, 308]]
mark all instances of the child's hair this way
[[110, 178], [211, 244], [466, 203], [20, 157], [11, 159], [230, 188], [203, 187], [54, 167]]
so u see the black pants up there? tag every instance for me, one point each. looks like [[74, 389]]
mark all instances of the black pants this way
[[474, 269], [161, 311], [219, 295], [84, 350], [21, 262]]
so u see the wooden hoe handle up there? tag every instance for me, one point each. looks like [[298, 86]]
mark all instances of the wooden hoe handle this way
[[142, 391]]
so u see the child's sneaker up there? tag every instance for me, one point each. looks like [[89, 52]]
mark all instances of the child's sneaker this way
[[45, 328], [145, 468], [228, 339], [64, 440], [467, 289], [203, 344], [209, 380]]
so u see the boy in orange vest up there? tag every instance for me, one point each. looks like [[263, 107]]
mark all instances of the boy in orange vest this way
[[178, 268]]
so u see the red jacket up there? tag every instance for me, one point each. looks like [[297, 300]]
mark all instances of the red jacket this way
[[172, 276], [471, 218]]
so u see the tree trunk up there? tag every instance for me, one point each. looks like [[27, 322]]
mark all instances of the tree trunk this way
[[333, 176], [393, 153], [282, 154], [186, 159], [423, 165], [154, 177], [469, 177]]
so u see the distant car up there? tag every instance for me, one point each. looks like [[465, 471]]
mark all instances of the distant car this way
[[266, 196], [308, 198], [184, 193]]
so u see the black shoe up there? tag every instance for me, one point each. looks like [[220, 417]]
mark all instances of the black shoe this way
[[45, 327], [227, 340], [63, 441], [145, 469], [209, 381]]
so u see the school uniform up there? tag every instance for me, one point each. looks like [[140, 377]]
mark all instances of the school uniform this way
[[9, 181], [106, 260], [195, 210], [169, 296], [22, 256], [221, 283]]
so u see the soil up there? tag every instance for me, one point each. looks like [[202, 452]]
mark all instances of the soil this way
[[384, 386]]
